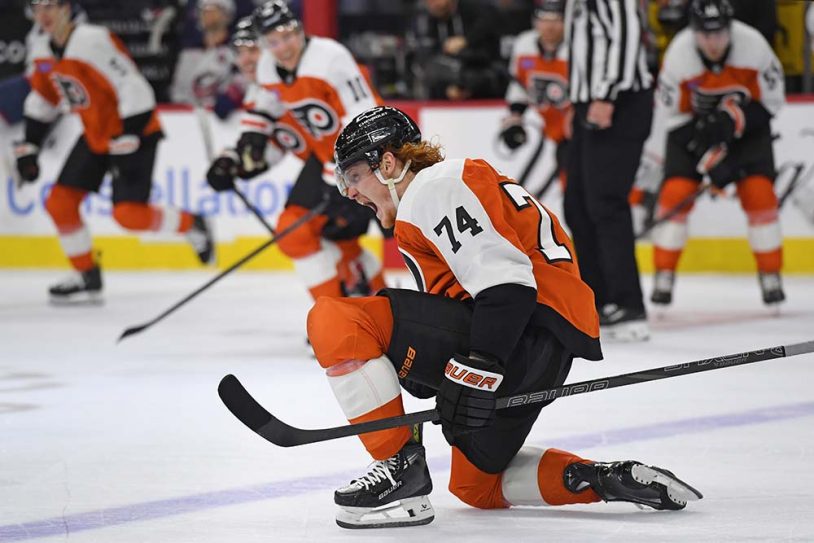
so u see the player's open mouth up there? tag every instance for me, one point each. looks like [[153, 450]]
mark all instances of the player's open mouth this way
[[372, 206]]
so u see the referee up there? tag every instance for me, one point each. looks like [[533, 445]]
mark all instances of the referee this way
[[611, 89]]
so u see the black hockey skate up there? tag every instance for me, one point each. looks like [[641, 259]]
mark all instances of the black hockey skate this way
[[393, 493], [200, 237], [623, 324], [631, 481], [771, 287], [663, 287], [79, 288]]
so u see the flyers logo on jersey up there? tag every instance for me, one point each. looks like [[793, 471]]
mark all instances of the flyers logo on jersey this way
[[705, 100], [548, 89], [472, 378], [288, 138], [71, 90], [316, 117]]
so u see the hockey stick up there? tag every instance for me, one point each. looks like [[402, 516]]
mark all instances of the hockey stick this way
[[252, 414], [535, 156], [255, 211], [284, 232], [209, 148], [678, 208]]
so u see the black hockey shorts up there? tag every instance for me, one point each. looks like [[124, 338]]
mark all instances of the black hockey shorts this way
[[132, 174], [346, 218], [753, 155], [429, 329]]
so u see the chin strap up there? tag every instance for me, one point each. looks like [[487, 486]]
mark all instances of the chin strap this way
[[391, 182]]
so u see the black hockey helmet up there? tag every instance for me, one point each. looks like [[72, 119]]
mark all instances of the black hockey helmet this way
[[543, 7], [368, 135], [710, 15], [272, 15], [244, 34]]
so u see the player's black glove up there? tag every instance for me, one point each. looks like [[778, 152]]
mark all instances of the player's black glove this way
[[222, 172], [251, 148], [466, 399], [26, 155], [721, 126], [513, 134]]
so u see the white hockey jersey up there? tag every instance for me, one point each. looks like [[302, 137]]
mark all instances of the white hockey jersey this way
[[541, 81], [95, 78], [463, 227], [326, 91], [687, 87]]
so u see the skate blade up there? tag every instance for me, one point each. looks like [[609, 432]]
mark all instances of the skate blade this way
[[625, 332], [408, 512], [677, 490], [80, 298]]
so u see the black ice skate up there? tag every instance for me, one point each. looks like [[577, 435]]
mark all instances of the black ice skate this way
[[663, 287], [623, 324], [79, 288], [393, 493], [771, 287], [631, 481], [200, 237]]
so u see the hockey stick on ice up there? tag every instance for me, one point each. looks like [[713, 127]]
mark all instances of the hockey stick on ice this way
[[293, 226], [209, 148], [252, 414]]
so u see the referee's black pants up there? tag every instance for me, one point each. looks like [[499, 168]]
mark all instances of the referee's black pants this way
[[601, 171]]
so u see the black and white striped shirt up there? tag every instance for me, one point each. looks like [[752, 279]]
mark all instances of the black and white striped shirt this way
[[607, 54]]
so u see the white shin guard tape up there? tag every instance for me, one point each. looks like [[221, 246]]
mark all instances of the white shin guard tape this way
[[363, 390], [77, 242], [765, 237], [170, 220], [519, 481], [670, 235], [319, 267]]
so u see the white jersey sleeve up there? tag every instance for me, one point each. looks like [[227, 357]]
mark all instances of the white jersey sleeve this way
[[96, 46], [452, 218], [38, 108]]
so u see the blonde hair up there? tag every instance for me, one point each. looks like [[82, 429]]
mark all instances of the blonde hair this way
[[421, 155]]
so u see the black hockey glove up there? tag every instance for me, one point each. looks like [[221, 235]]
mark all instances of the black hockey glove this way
[[222, 172], [251, 148], [714, 129], [514, 135], [26, 155], [466, 399]]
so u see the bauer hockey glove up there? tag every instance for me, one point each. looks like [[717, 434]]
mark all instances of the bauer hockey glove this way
[[466, 399], [27, 164], [513, 133], [222, 172]]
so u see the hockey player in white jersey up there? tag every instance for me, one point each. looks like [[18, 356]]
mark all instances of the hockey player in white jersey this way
[[719, 87], [501, 308], [539, 69], [86, 70], [314, 86]]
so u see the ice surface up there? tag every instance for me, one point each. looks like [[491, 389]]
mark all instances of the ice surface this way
[[129, 442]]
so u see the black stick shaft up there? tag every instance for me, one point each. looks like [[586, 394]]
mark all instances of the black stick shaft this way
[[255, 211], [675, 210], [535, 156], [284, 435], [296, 224]]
